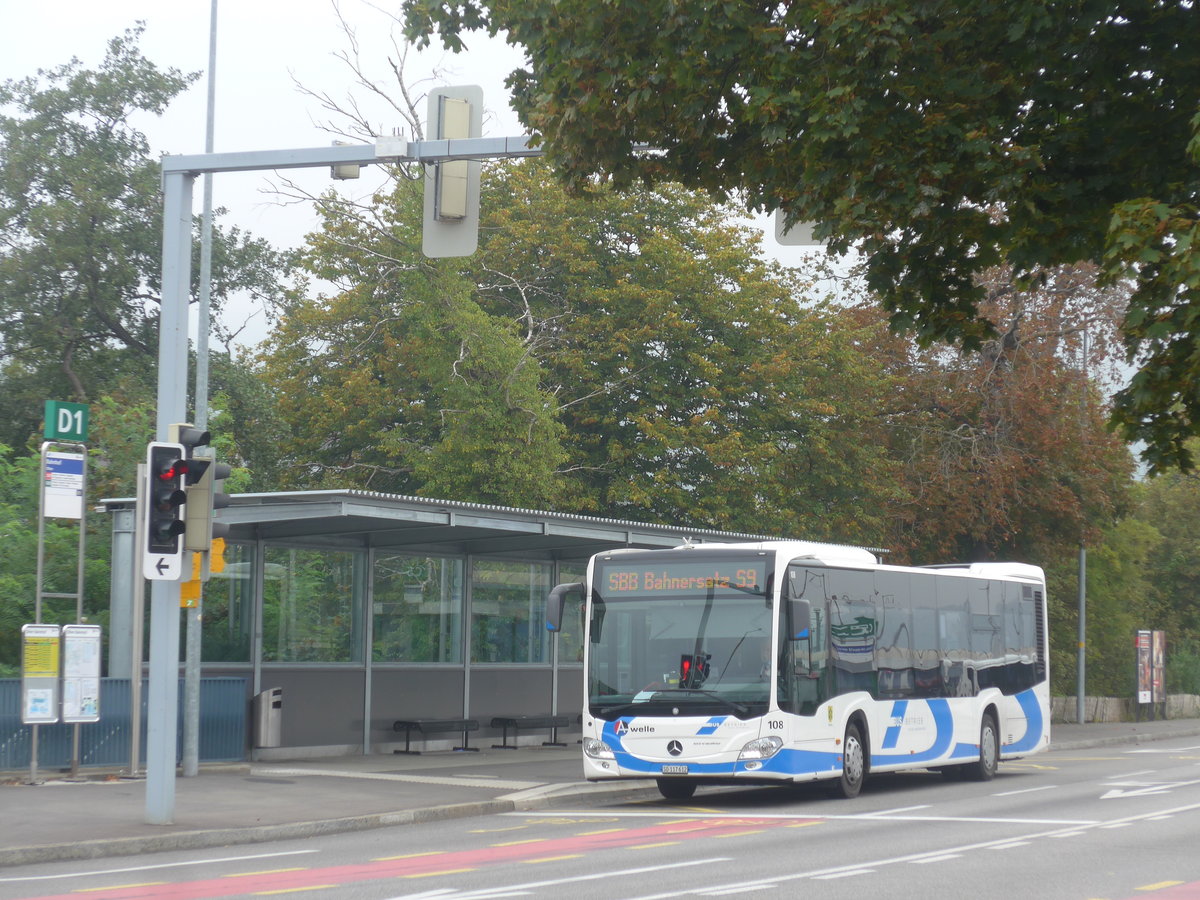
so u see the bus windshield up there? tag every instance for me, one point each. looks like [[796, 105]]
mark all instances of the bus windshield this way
[[674, 635]]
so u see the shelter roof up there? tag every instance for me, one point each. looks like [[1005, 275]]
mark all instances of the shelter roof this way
[[357, 518]]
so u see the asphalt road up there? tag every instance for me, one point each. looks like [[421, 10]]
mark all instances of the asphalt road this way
[[1112, 822]]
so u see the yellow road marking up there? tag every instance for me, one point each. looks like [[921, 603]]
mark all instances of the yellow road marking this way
[[441, 872], [407, 856], [1159, 886], [802, 824], [599, 831], [118, 887], [1034, 766], [310, 887], [652, 846], [740, 833], [264, 872], [544, 859], [518, 843]]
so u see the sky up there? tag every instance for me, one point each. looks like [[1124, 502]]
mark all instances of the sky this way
[[265, 49]]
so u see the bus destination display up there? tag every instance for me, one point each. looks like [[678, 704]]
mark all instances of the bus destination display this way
[[677, 579]]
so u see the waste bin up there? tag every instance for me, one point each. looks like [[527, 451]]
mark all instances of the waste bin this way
[[268, 717]]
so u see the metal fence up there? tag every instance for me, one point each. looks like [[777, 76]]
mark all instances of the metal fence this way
[[223, 713]]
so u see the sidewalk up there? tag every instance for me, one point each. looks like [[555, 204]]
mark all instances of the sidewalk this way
[[248, 803]]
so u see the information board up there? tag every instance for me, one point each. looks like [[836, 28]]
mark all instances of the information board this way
[[62, 483], [40, 646], [81, 673]]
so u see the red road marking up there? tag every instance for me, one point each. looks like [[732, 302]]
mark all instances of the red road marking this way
[[424, 865]]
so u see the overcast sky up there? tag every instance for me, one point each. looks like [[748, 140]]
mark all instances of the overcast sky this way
[[264, 47]]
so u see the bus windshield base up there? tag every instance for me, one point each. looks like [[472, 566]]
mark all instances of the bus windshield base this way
[[656, 699]]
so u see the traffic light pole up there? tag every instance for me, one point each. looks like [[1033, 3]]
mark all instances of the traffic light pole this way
[[179, 174], [162, 697]]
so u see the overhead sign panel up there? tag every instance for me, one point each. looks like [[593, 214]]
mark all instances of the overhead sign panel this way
[[451, 218]]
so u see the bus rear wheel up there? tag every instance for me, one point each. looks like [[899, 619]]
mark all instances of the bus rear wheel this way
[[854, 764], [676, 788], [984, 768]]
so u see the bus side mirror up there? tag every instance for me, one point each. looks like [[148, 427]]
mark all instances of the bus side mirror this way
[[556, 602], [800, 617]]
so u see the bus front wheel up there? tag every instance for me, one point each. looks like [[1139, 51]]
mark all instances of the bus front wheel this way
[[676, 788], [854, 764], [984, 769]]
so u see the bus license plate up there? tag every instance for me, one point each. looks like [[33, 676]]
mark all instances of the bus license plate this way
[[674, 770]]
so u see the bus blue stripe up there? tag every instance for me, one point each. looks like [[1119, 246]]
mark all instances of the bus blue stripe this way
[[891, 737], [1034, 727], [944, 734]]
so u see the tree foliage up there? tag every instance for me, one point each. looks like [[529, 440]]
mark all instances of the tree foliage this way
[[1003, 450], [1171, 503], [399, 381], [694, 385], [80, 235], [622, 355], [941, 139]]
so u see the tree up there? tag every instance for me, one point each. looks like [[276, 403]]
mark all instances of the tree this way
[[1171, 503], [1004, 453], [1120, 600], [941, 139], [669, 374], [80, 235], [697, 383], [399, 381]]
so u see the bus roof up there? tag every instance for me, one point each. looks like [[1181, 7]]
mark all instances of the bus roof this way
[[859, 557], [828, 554]]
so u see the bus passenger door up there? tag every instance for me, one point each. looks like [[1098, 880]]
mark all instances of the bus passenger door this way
[[803, 662]]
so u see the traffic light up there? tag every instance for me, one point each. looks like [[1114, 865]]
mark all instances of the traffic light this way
[[165, 498], [203, 478], [203, 498], [693, 669]]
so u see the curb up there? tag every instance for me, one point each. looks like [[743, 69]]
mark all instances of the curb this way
[[257, 834], [1119, 739]]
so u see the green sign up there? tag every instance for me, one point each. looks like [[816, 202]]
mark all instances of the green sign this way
[[66, 421]]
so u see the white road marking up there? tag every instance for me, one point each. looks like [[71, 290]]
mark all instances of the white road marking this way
[[1046, 787], [456, 781], [806, 817], [891, 812], [1143, 788], [187, 862], [936, 859], [512, 890], [865, 866]]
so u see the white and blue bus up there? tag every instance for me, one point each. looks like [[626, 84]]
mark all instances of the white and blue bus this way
[[793, 661]]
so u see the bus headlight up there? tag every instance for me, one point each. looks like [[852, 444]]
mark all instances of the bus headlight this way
[[762, 748], [597, 749]]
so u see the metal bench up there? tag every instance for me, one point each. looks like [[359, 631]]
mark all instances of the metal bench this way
[[516, 723], [434, 726]]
